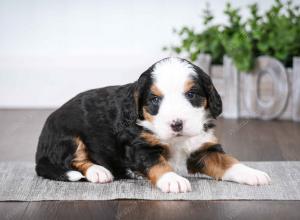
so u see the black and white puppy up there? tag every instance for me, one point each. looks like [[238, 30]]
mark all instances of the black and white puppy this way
[[159, 127]]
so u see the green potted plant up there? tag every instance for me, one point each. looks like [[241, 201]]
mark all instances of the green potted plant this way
[[274, 33]]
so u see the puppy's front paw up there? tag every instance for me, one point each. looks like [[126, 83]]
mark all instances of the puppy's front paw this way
[[98, 174], [242, 174], [172, 182]]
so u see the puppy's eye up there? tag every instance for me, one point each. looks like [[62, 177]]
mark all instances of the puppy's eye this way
[[190, 94], [155, 100]]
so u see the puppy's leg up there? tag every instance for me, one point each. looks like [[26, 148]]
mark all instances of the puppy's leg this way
[[162, 175], [156, 167], [93, 173], [212, 161]]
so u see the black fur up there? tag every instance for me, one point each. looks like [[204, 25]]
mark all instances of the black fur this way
[[105, 120], [142, 90]]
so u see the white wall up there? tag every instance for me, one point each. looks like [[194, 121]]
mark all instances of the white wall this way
[[52, 49]]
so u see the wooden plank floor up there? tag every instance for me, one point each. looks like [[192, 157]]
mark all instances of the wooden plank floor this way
[[251, 140]]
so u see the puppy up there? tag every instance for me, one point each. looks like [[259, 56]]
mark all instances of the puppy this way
[[159, 127]]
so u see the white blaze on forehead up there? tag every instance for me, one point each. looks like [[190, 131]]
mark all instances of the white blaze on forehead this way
[[170, 75]]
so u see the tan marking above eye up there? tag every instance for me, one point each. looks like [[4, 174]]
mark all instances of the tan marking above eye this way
[[156, 91], [188, 85]]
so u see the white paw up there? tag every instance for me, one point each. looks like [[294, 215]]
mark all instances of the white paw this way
[[74, 175], [242, 174], [98, 174], [172, 182]]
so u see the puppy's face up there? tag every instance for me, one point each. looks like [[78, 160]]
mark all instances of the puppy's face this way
[[176, 98]]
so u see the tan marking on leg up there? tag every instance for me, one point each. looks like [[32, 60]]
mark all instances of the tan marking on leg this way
[[81, 160], [158, 170], [215, 164]]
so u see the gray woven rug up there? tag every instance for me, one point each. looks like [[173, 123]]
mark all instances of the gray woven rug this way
[[18, 182]]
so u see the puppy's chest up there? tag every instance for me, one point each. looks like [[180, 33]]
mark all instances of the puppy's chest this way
[[178, 157], [180, 151]]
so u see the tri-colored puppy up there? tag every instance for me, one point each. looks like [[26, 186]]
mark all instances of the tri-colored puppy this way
[[159, 127]]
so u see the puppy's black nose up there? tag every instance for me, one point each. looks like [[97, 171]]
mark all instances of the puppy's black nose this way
[[177, 125]]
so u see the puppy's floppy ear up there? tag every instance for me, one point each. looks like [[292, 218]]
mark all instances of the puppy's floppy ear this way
[[213, 97], [140, 90]]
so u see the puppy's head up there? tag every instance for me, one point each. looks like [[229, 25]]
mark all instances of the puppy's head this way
[[175, 98]]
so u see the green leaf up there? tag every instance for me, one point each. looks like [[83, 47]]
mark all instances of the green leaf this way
[[275, 33]]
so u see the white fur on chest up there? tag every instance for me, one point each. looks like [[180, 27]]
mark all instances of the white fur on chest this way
[[181, 148]]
